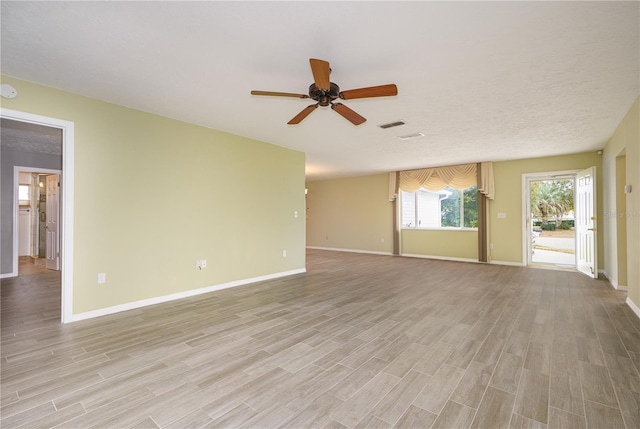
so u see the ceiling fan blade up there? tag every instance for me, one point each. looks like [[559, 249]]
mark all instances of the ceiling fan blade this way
[[348, 114], [279, 94], [371, 91], [320, 70], [303, 114]]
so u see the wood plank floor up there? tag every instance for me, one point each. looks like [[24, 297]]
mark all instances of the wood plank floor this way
[[358, 341]]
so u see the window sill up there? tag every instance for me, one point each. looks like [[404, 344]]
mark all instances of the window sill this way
[[434, 228]]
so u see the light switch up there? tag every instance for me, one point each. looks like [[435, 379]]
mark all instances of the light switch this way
[[502, 215]]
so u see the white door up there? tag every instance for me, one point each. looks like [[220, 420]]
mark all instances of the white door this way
[[53, 242], [24, 231], [586, 222]]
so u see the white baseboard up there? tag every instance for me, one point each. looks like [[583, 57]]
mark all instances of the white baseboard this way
[[633, 307], [180, 295], [440, 258], [510, 263], [613, 281], [335, 249], [8, 275]]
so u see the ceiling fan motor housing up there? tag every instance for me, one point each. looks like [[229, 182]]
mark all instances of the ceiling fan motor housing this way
[[324, 98]]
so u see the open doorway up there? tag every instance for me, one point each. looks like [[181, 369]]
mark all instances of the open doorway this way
[[553, 238], [17, 121], [37, 198], [559, 224], [621, 220]]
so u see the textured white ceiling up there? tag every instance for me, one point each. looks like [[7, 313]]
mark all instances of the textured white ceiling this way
[[29, 137], [482, 80]]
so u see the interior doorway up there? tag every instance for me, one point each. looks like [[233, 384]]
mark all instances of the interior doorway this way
[[65, 220], [37, 200], [621, 220]]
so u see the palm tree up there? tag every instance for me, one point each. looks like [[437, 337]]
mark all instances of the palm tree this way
[[551, 199]]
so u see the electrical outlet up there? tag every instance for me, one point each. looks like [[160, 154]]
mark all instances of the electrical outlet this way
[[284, 253], [102, 278], [203, 263]]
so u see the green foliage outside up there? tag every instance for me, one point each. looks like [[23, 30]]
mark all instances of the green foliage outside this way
[[450, 208], [471, 207], [551, 200]]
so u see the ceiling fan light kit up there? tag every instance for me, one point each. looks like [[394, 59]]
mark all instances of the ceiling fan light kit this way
[[325, 92]]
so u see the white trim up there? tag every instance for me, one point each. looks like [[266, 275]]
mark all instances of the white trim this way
[[439, 228], [510, 263], [66, 239], [633, 307], [335, 249], [16, 178], [553, 267], [180, 295], [614, 282]]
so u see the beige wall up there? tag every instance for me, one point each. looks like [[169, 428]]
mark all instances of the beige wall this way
[[340, 212], [506, 233], [625, 140], [454, 244], [350, 214], [152, 195]]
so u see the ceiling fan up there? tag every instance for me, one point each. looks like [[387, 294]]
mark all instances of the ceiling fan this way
[[325, 92]]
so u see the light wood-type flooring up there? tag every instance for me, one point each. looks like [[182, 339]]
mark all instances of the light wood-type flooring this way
[[359, 341]]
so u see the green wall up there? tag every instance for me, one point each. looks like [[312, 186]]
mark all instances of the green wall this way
[[624, 142], [153, 195], [506, 233], [350, 214], [454, 244], [353, 213]]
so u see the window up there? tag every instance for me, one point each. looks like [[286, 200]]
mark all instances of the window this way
[[440, 209], [24, 195]]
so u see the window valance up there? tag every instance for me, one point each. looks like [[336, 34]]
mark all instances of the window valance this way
[[456, 176], [438, 178]]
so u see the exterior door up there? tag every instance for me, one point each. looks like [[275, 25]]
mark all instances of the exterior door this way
[[53, 241], [586, 222]]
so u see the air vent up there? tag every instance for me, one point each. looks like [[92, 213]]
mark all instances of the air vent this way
[[392, 124], [411, 136]]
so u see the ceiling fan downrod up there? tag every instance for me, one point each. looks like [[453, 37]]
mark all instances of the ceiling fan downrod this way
[[324, 98]]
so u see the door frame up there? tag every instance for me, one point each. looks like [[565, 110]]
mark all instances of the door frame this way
[[527, 178], [16, 209], [66, 201]]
